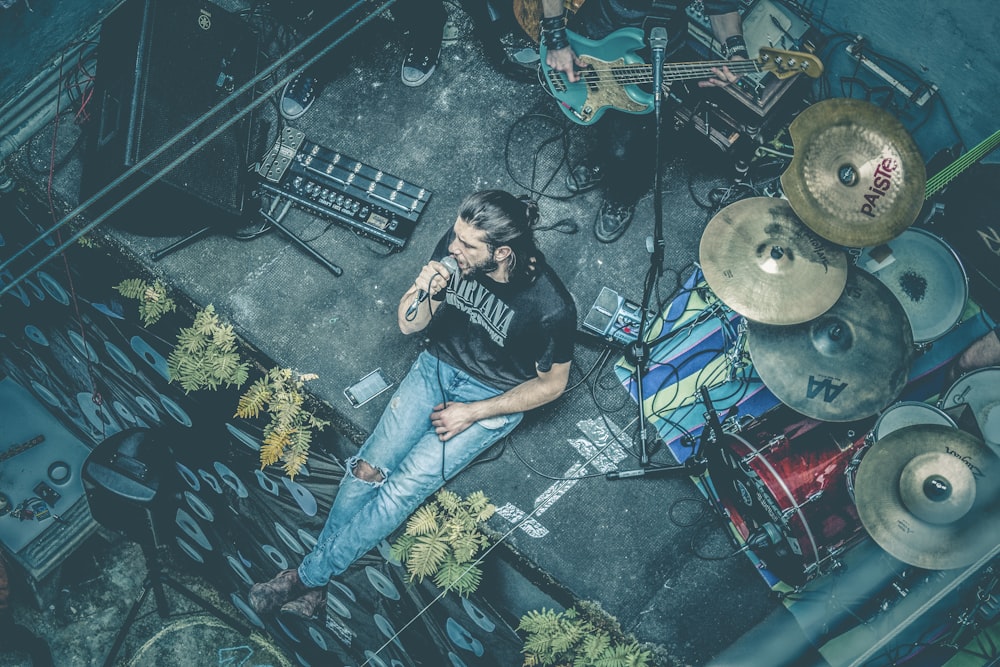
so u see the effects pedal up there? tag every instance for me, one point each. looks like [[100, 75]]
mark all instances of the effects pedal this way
[[615, 318]]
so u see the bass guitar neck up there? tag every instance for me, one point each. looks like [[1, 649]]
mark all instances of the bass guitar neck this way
[[614, 75]]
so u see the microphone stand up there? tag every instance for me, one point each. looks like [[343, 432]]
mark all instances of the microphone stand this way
[[638, 352]]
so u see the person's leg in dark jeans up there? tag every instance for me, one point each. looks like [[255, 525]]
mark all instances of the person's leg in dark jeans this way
[[621, 160]]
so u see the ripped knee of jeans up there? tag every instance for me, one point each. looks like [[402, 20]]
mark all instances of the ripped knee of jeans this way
[[366, 472]]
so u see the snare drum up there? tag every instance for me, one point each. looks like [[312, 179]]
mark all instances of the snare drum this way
[[927, 277], [980, 390], [786, 472], [893, 418]]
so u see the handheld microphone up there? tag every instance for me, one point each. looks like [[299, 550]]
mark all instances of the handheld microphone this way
[[449, 263], [658, 45]]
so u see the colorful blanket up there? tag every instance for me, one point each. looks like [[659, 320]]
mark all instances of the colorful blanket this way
[[698, 342]]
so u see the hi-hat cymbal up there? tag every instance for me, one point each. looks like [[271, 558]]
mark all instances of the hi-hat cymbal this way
[[766, 265], [856, 177], [928, 495], [846, 364]]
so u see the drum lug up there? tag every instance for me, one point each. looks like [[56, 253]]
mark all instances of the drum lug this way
[[778, 439], [738, 423], [787, 513]]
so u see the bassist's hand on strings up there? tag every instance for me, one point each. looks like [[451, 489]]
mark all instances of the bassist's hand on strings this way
[[565, 61], [728, 29], [723, 77]]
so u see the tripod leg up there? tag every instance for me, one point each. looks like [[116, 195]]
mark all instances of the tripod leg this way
[[327, 264], [157, 255], [207, 606], [147, 586]]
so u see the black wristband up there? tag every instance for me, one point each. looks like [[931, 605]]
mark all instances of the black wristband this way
[[553, 22], [735, 46], [555, 39]]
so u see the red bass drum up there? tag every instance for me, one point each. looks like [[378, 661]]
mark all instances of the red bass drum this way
[[782, 479]]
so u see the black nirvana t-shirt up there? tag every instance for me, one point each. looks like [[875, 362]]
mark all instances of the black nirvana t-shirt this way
[[500, 332]]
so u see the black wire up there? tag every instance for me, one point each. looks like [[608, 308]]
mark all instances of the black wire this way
[[561, 134], [555, 478], [601, 359]]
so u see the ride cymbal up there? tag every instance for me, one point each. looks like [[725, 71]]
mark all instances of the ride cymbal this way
[[762, 262], [928, 495], [856, 177], [846, 364]]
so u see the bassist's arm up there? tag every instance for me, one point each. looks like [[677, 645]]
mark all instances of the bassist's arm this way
[[552, 8], [726, 26], [559, 59]]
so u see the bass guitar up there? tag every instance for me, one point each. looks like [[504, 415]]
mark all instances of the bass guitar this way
[[613, 74]]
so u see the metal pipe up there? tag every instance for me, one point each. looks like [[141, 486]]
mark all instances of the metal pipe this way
[[32, 125], [37, 92]]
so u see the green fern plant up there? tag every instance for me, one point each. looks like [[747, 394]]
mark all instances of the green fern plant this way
[[206, 355], [442, 538], [289, 433], [579, 638], [153, 300]]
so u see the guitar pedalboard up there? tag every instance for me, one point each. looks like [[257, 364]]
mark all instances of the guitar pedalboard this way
[[297, 172]]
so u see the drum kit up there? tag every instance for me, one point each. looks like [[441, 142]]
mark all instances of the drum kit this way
[[839, 298]]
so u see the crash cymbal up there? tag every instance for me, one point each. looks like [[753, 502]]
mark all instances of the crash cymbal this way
[[844, 365], [856, 177], [766, 265], [928, 495]]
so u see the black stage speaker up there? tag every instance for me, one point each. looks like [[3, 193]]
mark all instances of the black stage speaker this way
[[161, 65]]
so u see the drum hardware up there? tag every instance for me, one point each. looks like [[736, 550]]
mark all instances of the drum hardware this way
[[845, 365], [737, 423], [787, 514], [762, 262], [927, 495], [857, 178], [696, 464], [831, 564], [737, 356], [770, 444]]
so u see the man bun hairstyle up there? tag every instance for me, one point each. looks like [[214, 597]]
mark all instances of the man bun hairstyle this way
[[507, 220]]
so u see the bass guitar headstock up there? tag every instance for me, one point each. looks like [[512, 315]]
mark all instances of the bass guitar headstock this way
[[784, 64]]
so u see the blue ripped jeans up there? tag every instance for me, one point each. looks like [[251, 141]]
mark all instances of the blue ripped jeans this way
[[407, 452]]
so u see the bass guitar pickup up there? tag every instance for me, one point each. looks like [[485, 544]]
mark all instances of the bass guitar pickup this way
[[334, 186]]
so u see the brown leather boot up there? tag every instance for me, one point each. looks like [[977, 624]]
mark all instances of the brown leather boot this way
[[308, 605], [268, 596]]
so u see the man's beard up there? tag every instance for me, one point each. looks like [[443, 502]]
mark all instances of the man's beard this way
[[485, 267]]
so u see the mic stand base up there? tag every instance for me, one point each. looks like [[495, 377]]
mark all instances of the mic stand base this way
[[690, 468]]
